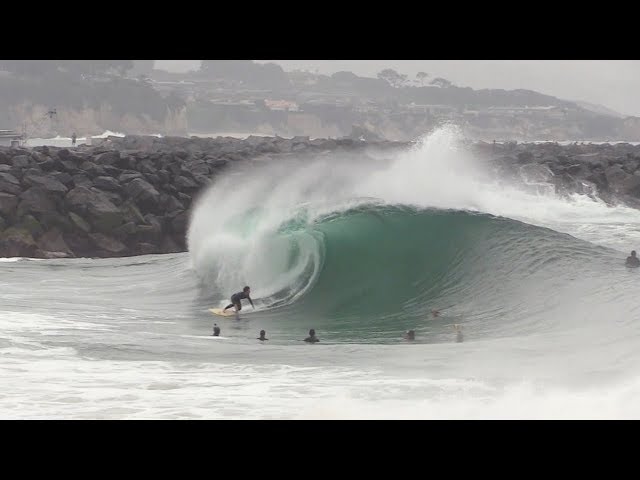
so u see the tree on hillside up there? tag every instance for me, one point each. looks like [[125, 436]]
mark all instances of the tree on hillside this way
[[441, 82], [392, 77], [248, 72], [74, 67], [421, 76]]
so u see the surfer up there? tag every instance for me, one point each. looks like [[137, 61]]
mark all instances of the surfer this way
[[216, 330], [262, 337], [236, 297], [632, 261], [435, 313], [410, 335], [312, 337]]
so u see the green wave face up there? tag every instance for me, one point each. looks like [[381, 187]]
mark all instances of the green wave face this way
[[383, 269]]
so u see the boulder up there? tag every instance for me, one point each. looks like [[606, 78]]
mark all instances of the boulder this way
[[68, 166], [146, 166], [107, 183], [53, 241], [178, 222], [143, 194], [164, 176], [22, 161], [152, 231], [93, 205], [8, 204], [154, 222], [127, 176], [111, 171], [9, 184], [17, 242], [144, 248], [184, 183], [91, 169], [79, 222], [616, 177], [55, 219], [170, 203], [596, 159], [107, 243], [125, 230], [108, 158], [47, 165], [48, 183], [153, 179], [81, 180], [35, 200], [64, 178], [31, 225], [184, 199], [131, 212], [169, 245], [79, 243]]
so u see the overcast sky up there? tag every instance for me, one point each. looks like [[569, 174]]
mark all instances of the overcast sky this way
[[612, 83]]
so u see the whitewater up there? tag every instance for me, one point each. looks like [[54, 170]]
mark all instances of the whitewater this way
[[361, 250]]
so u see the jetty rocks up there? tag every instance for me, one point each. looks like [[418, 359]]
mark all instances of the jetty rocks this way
[[132, 195]]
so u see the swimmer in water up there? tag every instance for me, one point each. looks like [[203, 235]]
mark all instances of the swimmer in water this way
[[312, 337]]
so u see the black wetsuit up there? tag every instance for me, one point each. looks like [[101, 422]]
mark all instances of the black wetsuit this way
[[632, 262], [235, 300]]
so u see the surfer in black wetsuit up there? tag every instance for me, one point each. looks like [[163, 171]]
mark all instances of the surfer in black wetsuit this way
[[632, 261], [236, 297], [262, 337], [312, 337], [216, 330], [410, 335]]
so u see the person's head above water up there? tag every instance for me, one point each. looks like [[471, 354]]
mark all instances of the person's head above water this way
[[246, 289], [312, 337], [410, 335], [633, 253], [262, 333]]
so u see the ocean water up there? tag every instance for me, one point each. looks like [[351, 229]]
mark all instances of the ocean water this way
[[360, 250]]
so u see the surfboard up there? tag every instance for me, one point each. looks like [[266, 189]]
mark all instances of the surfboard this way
[[218, 311]]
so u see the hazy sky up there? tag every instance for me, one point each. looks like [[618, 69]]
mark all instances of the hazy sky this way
[[612, 83]]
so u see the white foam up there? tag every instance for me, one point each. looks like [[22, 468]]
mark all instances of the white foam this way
[[56, 385]]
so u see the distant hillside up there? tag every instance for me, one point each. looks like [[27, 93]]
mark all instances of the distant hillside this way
[[601, 109], [88, 97]]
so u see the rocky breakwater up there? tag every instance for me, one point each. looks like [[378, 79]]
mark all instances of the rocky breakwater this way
[[133, 195], [126, 196], [610, 172]]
